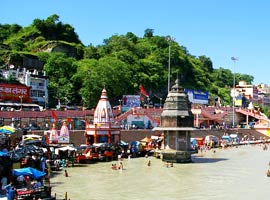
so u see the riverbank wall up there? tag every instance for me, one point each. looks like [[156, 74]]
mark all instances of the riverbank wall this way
[[77, 136]]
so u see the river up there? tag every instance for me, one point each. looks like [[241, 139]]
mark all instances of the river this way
[[231, 174]]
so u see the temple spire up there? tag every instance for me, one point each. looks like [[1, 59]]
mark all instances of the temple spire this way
[[103, 112]]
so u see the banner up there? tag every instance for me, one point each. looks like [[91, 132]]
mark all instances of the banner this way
[[130, 101], [197, 97], [13, 92]]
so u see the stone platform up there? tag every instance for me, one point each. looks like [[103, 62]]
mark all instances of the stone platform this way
[[174, 156]]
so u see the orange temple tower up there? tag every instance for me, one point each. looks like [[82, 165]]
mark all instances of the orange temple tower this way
[[104, 129]]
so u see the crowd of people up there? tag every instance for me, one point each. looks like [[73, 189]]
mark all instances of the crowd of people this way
[[21, 156]]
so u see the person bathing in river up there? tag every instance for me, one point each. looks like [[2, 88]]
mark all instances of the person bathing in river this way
[[120, 167]]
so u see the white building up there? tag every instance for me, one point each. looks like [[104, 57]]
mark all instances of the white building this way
[[34, 79]]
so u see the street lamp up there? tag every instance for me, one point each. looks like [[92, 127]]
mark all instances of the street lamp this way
[[234, 59], [160, 101], [169, 39]]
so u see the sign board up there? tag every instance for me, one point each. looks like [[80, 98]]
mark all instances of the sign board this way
[[13, 92], [130, 101], [197, 97], [63, 139]]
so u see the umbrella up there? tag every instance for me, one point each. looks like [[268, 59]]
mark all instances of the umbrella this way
[[2, 154], [7, 129], [123, 143], [146, 140], [28, 171], [67, 148]]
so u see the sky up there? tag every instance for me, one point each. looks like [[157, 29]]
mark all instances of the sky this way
[[216, 29]]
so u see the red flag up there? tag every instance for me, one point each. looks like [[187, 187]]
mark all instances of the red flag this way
[[69, 120], [54, 115], [142, 91]]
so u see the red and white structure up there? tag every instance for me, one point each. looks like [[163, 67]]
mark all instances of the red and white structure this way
[[104, 129]]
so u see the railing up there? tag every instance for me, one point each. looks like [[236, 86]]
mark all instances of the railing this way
[[256, 114], [47, 114]]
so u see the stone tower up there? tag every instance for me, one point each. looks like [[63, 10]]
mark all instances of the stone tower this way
[[177, 121]]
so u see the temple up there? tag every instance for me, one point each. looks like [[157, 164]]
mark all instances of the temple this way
[[176, 125], [104, 129]]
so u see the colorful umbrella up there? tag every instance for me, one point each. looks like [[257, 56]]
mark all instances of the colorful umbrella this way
[[7, 129], [28, 171], [3, 154]]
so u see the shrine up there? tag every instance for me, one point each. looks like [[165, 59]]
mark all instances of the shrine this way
[[104, 129], [176, 124]]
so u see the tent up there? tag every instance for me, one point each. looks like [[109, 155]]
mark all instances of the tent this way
[[145, 140], [7, 129], [123, 143], [19, 153], [28, 171], [136, 146], [226, 138], [3, 154], [67, 148], [193, 142]]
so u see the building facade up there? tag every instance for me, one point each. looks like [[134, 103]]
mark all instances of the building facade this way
[[35, 80]]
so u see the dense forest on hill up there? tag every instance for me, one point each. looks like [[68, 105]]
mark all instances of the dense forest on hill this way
[[121, 64]]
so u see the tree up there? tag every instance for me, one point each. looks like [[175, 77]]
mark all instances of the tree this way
[[53, 29], [91, 52], [121, 60], [60, 69], [148, 33], [244, 77], [7, 30], [96, 75], [223, 77]]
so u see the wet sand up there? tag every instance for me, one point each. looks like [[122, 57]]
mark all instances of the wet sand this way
[[235, 173]]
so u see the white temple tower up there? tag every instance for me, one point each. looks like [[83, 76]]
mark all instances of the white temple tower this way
[[103, 129]]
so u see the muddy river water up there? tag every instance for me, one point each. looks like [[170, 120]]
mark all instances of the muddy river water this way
[[231, 174]]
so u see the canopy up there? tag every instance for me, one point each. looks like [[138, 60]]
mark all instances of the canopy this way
[[2, 154], [31, 137], [19, 153], [123, 143], [226, 137], [7, 129], [28, 171], [233, 135], [67, 148], [146, 140], [193, 141], [135, 143]]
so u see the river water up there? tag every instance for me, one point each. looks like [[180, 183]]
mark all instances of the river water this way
[[231, 174]]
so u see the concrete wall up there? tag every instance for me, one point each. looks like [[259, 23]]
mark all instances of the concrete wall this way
[[77, 137]]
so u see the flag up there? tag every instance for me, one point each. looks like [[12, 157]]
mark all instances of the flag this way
[[142, 91], [69, 120], [54, 115]]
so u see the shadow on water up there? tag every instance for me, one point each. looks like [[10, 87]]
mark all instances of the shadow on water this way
[[207, 160], [82, 164], [56, 183]]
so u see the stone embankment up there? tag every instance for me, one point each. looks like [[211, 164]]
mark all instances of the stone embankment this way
[[77, 136]]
